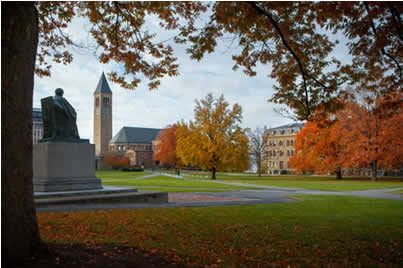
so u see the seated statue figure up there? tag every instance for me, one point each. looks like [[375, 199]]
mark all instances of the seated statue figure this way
[[59, 119]]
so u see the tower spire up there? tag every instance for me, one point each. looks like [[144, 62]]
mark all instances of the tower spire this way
[[103, 86]]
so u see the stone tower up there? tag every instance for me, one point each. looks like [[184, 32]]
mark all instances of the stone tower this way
[[102, 116]]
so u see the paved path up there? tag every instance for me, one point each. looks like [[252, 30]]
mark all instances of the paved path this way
[[266, 194], [139, 178]]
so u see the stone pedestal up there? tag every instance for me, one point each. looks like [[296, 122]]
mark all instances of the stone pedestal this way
[[64, 167]]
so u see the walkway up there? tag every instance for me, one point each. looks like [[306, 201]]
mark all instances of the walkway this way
[[265, 195]]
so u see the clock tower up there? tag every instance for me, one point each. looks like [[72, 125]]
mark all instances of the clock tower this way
[[102, 116]]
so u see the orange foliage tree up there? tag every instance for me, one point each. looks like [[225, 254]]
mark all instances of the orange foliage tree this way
[[318, 149], [166, 147], [372, 136], [362, 135]]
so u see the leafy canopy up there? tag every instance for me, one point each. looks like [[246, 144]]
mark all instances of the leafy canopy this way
[[295, 38], [119, 31]]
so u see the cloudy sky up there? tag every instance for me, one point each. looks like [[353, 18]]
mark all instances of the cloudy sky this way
[[173, 100]]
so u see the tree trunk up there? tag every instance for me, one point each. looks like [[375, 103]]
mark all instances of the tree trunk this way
[[19, 34], [213, 173], [338, 174], [259, 166], [374, 169]]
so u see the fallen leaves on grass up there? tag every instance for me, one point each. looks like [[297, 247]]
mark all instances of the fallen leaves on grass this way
[[250, 236]]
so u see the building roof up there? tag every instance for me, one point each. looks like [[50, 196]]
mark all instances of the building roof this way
[[103, 86], [293, 128], [136, 135], [292, 125]]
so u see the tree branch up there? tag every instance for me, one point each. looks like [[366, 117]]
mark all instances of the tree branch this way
[[396, 20], [301, 68], [382, 49]]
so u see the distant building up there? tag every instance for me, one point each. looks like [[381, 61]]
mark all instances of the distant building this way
[[137, 143], [37, 125], [279, 147]]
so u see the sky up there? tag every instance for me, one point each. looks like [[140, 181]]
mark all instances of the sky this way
[[173, 101]]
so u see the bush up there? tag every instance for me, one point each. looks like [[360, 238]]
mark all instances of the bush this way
[[132, 169], [116, 161]]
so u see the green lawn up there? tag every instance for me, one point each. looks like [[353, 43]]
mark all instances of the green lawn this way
[[182, 190], [397, 192], [164, 181], [322, 231], [117, 174], [314, 182]]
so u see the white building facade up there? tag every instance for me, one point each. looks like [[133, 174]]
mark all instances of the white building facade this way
[[37, 125]]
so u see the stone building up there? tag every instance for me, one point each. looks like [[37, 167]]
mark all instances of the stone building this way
[[136, 143], [279, 147], [37, 125]]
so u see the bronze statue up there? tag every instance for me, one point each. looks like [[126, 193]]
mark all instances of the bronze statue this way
[[59, 119]]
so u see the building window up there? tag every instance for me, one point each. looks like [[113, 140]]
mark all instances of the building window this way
[[274, 153], [288, 152], [292, 142], [105, 102]]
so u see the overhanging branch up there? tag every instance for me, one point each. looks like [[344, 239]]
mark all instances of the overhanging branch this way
[[301, 68]]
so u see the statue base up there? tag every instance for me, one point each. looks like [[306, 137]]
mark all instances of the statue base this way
[[64, 166]]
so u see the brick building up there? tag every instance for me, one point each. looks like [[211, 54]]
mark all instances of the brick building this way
[[137, 143]]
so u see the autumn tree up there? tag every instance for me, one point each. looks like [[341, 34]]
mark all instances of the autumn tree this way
[[214, 140], [256, 146], [296, 39], [118, 29], [318, 149], [371, 139], [166, 147], [360, 136]]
